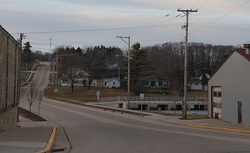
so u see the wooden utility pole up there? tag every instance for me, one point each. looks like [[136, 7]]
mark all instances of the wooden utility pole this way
[[22, 36], [128, 43], [184, 105]]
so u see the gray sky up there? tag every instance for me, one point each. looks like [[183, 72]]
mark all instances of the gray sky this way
[[97, 22]]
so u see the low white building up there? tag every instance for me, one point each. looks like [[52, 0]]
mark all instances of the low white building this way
[[229, 89], [156, 82], [195, 83], [109, 83]]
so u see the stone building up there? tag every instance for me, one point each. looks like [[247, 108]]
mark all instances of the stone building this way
[[9, 82]]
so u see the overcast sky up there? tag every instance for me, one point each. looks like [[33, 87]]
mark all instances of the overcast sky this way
[[97, 22]]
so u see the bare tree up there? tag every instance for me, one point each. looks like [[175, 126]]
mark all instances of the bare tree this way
[[69, 66], [94, 63], [31, 93]]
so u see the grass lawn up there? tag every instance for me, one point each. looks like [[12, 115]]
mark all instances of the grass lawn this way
[[24, 75], [89, 95], [197, 94], [82, 94]]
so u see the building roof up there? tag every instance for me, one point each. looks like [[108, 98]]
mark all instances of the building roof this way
[[242, 52], [8, 34], [154, 78], [194, 80]]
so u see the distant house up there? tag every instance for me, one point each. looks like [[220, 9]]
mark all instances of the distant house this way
[[157, 82], [229, 89], [195, 83], [67, 82], [109, 83]]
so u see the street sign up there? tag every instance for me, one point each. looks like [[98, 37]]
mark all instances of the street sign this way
[[40, 96], [141, 96], [98, 93]]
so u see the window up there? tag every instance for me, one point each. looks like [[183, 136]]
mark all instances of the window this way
[[152, 83], [160, 84], [113, 83], [215, 94], [219, 94]]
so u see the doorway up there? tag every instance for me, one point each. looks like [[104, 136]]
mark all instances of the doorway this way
[[239, 112]]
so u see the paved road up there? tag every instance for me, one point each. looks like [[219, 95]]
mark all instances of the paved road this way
[[93, 130]]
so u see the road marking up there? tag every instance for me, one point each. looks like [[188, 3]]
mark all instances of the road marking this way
[[120, 122], [23, 144]]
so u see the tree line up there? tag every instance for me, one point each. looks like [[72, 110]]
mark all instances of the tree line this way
[[161, 60]]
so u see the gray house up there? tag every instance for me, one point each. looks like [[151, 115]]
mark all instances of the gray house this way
[[195, 83], [156, 82], [229, 89]]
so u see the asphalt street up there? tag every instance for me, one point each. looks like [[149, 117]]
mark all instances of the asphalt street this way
[[91, 130]]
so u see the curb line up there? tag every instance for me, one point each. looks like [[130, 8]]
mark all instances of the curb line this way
[[48, 147], [218, 128]]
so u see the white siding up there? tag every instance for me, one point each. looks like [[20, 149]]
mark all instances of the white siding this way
[[233, 77]]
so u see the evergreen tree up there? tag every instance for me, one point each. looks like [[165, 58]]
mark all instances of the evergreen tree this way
[[26, 54], [139, 68]]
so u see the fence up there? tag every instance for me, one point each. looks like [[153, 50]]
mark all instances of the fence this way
[[137, 98]]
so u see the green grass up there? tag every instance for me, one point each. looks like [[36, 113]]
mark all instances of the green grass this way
[[82, 94], [89, 95], [197, 94], [24, 75]]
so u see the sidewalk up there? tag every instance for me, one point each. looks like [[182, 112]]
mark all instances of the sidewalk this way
[[29, 137], [206, 123], [32, 136]]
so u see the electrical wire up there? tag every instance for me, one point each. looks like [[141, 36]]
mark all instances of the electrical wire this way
[[145, 27], [222, 16]]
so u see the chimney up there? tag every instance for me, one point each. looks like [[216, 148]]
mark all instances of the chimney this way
[[247, 47]]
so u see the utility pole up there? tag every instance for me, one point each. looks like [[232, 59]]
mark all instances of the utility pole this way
[[22, 36], [53, 64], [184, 109], [128, 43]]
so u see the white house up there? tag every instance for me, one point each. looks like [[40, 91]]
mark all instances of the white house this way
[[229, 89], [109, 83], [157, 82], [195, 83]]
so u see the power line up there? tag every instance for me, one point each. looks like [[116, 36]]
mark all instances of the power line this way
[[72, 31], [221, 16]]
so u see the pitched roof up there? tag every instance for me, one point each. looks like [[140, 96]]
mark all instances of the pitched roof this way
[[242, 52], [194, 80]]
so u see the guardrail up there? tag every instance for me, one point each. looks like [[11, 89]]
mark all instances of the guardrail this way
[[136, 98]]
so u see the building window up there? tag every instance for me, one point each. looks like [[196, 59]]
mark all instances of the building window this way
[[113, 83], [152, 83], [160, 84], [215, 94], [219, 94]]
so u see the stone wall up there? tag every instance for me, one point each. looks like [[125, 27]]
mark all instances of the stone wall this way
[[9, 79], [8, 119]]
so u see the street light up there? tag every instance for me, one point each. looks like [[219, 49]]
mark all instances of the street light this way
[[128, 43]]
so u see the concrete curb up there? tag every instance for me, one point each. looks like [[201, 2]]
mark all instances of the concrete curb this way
[[48, 147], [219, 128]]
